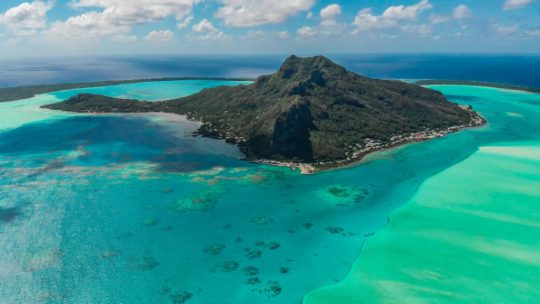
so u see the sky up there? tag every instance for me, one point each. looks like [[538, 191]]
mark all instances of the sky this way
[[130, 27]]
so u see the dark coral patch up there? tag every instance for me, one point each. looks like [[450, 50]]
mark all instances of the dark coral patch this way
[[227, 266], [143, 263], [214, 249], [8, 215], [334, 230], [181, 297], [251, 271], [253, 254], [253, 281], [284, 270]]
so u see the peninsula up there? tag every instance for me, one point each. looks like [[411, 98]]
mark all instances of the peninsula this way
[[312, 113]]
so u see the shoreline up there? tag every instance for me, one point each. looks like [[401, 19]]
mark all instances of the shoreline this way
[[478, 84], [23, 92], [308, 168], [312, 168]]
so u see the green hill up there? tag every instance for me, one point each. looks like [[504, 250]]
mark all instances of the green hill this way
[[311, 111]]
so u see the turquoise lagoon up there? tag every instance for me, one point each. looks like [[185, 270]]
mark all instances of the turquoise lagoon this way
[[134, 209]]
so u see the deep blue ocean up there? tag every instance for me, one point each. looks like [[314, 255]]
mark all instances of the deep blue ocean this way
[[508, 69]]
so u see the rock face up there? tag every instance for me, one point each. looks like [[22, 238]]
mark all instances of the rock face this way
[[291, 133], [311, 110]]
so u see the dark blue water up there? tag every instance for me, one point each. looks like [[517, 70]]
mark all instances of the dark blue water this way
[[509, 69]]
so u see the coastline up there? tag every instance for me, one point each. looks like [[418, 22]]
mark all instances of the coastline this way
[[22, 92], [311, 168], [476, 120], [478, 84], [354, 153]]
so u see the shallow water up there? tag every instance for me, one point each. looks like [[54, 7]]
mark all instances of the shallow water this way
[[133, 209], [470, 234], [151, 91]]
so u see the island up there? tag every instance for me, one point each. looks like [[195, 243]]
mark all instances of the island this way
[[311, 114]]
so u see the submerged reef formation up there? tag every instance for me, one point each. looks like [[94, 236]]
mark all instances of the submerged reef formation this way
[[251, 271], [214, 249], [8, 215], [181, 297], [203, 200], [342, 195], [262, 220], [334, 230], [253, 253], [145, 263], [227, 266], [272, 289]]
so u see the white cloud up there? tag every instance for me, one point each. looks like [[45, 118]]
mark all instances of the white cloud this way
[[160, 36], [394, 15], [365, 20], [462, 12], [309, 15], [438, 19], [208, 31], [505, 30], [329, 15], [533, 33], [252, 35], [213, 36], [124, 38], [185, 22], [282, 35], [112, 17], [88, 25], [27, 18], [139, 11], [204, 26], [420, 29], [306, 31], [245, 13], [331, 11], [264, 36], [328, 23], [515, 4], [402, 12]]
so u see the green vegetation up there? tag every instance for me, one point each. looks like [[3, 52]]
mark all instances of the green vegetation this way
[[23, 92], [93, 103], [311, 110]]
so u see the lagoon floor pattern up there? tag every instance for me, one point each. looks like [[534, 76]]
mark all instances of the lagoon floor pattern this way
[[471, 234], [133, 209]]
